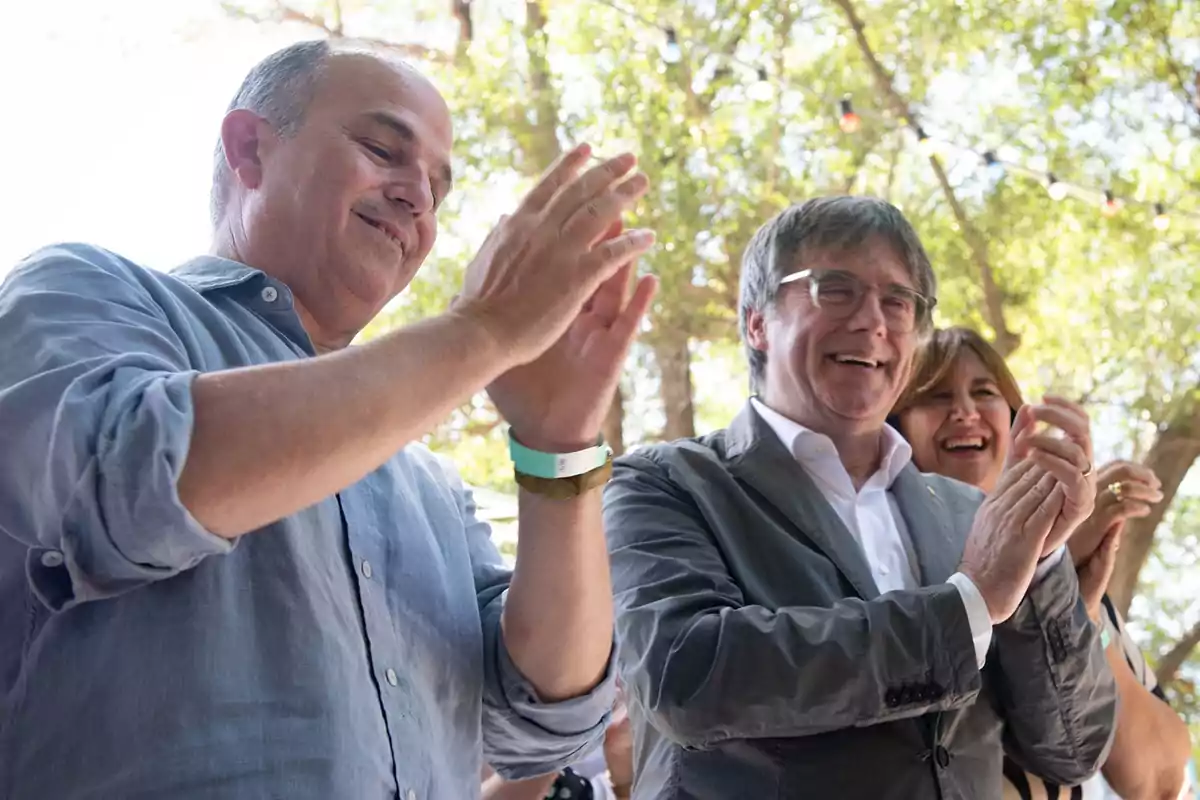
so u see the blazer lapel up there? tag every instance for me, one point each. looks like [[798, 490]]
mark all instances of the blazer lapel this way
[[758, 458], [928, 520]]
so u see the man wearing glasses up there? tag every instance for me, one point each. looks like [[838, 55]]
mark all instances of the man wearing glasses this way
[[803, 614]]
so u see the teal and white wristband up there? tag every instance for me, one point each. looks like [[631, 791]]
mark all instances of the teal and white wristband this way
[[1105, 629], [556, 465]]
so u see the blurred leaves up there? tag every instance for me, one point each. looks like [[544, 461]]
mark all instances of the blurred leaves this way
[[1100, 93]]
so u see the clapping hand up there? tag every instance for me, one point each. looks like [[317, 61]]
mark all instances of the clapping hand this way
[[1001, 553], [1047, 489], [1064, 450], [1094, 572], [566, 265], [1124, 491]]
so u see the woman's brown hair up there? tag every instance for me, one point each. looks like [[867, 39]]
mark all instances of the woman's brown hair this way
[[937, 358]]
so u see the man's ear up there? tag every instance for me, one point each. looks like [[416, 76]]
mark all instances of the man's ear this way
[[756, 330], [245, 137]]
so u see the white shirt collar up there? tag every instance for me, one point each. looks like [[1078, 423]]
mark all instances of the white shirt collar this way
[[816, 451]]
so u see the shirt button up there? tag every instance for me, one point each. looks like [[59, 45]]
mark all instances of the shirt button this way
[[391, 676], [412, 794], [884, 569], [366, 569], [52, 558], [270, 294]]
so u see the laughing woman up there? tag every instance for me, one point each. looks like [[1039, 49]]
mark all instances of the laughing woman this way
[[956, 415]]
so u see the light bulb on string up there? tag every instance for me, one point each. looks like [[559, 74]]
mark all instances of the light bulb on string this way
[[1161, 220], [1056, 188], [994, 167], [670, 49], [761, 89], [1111, 204], [924, 143], [849, 121]]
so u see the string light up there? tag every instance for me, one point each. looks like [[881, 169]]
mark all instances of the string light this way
[[994, 166], [671, 53], [1161, 220], [762, 89], [924, 143], [849, 121], [1111, 204], [1055, 188]]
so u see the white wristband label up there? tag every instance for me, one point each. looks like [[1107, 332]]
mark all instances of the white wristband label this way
[[556, 465]]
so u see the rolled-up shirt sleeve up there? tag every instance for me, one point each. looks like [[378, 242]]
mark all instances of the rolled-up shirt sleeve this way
[[95, 422], [524, 736]]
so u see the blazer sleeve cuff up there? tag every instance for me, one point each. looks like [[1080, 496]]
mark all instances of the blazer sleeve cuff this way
[[1048, 563]]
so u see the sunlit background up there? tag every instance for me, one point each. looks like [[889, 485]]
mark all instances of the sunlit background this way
[[109, 113]]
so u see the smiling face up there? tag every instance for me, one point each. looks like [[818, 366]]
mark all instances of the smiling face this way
[[959, 427], [832, 373], [344, 210]]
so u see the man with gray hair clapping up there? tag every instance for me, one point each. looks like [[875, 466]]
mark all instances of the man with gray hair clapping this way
[[801, 612]]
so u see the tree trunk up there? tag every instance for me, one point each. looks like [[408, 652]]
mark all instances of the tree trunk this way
[[540, 145], [1175, 456], [993, 300], [1174, 451], [1169, 664], [675, 371], [614, 424], [461, 11]]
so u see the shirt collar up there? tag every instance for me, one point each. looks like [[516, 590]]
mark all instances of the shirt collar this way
[[809, 447], [207, 273]]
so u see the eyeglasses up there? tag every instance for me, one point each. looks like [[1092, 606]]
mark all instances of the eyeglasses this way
[[840, 294]]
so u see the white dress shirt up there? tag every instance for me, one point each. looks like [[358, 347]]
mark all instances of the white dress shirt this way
[[874, 519]]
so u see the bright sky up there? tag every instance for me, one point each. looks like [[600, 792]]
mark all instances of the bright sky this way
[[110, 114]]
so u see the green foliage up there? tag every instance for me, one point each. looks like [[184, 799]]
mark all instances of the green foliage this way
[[1100, 94], [1164, 615], [721, 379]]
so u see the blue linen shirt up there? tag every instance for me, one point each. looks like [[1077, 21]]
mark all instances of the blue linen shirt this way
[[351, 650]]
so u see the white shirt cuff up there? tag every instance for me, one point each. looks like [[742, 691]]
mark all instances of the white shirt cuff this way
[[977, 614], [1048, 563]]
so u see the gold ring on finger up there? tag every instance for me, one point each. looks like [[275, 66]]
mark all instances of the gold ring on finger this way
[[1088, 471], [1117, 489]]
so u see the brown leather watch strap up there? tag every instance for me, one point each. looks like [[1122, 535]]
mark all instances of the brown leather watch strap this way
[[566, 488]]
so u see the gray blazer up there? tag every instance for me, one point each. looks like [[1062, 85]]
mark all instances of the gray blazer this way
[[760, 660]]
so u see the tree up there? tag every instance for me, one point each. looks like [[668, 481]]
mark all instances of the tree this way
[[993, 302], [734, 117], [1124, 62]]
